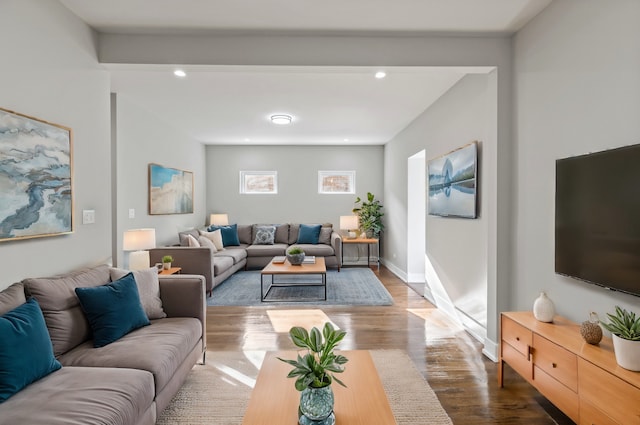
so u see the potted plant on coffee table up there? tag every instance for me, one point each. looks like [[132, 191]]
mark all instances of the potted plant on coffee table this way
[[295, 255], [625, 329], [314, 372]]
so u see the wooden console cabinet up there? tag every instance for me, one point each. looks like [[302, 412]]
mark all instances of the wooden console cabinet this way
[[582, 380]]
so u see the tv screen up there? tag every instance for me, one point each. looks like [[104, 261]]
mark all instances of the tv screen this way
[[597, 223]]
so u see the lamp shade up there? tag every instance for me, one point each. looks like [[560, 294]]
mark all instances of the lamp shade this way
[[219, 220], [348, 222], [139, 239]]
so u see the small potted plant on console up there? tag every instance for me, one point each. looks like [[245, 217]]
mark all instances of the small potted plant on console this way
[[625, 329]]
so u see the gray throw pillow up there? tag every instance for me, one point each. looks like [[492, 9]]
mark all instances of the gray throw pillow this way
[[265, 235], [325, 235], [148, 288]]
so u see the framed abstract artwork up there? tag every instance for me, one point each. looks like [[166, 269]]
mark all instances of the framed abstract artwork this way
[[258, 182], [170, 190], [337, 182], [36, 171], [453, 183]]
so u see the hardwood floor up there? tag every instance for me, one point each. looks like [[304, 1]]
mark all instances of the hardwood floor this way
[[449, 358]]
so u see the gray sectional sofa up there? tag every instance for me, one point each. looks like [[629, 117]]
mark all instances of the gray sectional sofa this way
[[217, 267], [128, 381]]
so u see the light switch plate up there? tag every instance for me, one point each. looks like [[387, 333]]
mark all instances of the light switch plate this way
[[132, 213], [88, 216]]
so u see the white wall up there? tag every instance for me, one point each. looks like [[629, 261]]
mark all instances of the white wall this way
[[50, 71], [456, 248], [297, 199], [142, 139], [577, 73]]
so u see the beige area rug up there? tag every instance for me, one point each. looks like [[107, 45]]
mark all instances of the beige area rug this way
[[218, 392]]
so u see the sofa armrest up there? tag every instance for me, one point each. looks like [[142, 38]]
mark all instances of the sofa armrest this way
[[183, 295], [336, 243], [190, 260]]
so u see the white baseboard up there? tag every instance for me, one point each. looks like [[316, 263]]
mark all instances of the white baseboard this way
[[490, 350], [396, 270]]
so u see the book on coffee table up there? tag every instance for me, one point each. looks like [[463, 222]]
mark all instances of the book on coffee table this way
[[279, 259], [311, 259]]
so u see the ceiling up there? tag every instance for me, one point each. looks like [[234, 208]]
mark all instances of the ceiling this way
[[329, 105]]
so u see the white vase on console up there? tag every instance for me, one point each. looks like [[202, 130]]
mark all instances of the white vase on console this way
[[543, 308]]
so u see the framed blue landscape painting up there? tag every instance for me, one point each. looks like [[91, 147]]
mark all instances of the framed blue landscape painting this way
[[170, 190], [36, 196], [453, 183]]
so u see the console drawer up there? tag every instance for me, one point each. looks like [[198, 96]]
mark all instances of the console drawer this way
[[556, 361], [517, 361], [614, 397], [562, 397], [517, 336]]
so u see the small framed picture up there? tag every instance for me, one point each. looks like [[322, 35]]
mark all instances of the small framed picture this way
[[258, 182], [337, 182]]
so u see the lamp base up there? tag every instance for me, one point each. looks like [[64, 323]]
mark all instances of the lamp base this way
[[139, 260], [352, 235]]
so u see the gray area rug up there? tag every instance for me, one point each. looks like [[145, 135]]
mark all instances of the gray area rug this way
[[352, 286], [218, 393]]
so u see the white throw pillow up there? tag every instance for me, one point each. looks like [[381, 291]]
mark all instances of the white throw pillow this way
[[192, 242], [207, 243], [148, 289], [215, 237]]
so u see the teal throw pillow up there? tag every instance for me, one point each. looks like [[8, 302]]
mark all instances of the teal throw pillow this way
[[26, 353], [229, 234], [309, 233], [113, 310]]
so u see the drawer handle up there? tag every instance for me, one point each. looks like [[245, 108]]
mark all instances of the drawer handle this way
[[517, 338], [553, 365]]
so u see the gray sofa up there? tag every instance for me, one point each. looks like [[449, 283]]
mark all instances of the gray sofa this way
[[129, 381], [217, 267]]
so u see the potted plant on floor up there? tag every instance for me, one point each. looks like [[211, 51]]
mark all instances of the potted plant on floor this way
[[314, 372], [625, 329], [295, 255], [369, 215], [166, 262]]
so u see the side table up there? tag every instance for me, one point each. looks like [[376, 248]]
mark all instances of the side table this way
[[360, 241], [172, 270]]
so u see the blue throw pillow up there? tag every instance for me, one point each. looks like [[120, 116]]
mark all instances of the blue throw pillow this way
[[229, 234], [113, 310], [309, 233], [26, 353]]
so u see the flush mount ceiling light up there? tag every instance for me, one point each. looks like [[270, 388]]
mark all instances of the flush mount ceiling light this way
[[281, 119], [380, 74], [179, 73]]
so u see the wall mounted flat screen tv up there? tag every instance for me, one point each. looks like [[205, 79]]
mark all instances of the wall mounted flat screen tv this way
[[597, 221]]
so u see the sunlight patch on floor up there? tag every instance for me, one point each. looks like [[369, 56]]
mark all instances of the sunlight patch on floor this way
[[283, 320]]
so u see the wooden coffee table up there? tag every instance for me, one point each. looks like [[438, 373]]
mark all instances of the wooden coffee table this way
[[286, 269], [274, 399]]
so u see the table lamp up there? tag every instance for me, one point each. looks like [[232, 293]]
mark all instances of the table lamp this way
[[219, 220], [350, 224], [138, 241]]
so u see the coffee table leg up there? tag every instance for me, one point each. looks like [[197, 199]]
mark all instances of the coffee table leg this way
[[324, 283]]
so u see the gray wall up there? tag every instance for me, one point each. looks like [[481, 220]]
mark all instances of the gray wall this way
[[456, 248], [140, 139], [577, 68], [50, 71], [297, 199]]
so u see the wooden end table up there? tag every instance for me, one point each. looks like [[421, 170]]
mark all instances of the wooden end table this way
[[360, 241], [170, 271], [274, 399], [287, 269]]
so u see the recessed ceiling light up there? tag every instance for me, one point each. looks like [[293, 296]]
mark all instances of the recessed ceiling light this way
[[346, 140], [179, 73], [380, 74], [281, 119], [246, 139]]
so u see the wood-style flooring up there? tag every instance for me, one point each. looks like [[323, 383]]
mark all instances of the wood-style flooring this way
[[449, 358]]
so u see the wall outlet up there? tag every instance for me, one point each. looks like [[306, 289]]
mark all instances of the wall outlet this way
[[132, 213], [88, 216]]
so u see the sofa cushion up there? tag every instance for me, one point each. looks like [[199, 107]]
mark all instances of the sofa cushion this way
[[215, 237], [281, 235], [293, 233], [12, 297], [319, 250], [183, 236], [26, 354], [265, 235], [266, 250], [309, 233], [113, 310], [221, 264], [229, 234], [60, 306], [83, 395], [244, 233], [159, 348], [325, 234], [205, 242], [236, 254], [148, 289]]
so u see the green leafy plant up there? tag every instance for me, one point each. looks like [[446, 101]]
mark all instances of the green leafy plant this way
[[167, 259], [315, 368], [294, 250], [370, 215], [625, 324]]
